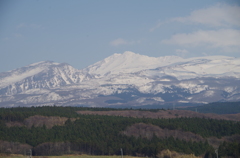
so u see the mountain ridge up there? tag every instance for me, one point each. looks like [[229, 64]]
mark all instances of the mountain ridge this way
[[122, 62], [124, 79]]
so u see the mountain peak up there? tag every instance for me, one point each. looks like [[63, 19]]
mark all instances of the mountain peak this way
[[42, 68], [44, 63], [151, 80], [129, 62], [129, 53]]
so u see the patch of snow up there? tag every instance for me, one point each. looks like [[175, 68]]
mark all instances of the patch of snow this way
[[209, 93], [144, 99], [141, 100], [6, 98], [145, 88], [193, 87], [164, 79], [183, 101], [18, 77], [159, 99], [36, 91], [41, 98], [129, 62], [229, 89]]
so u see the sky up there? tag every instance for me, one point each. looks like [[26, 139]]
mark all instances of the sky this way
[[83, 32]]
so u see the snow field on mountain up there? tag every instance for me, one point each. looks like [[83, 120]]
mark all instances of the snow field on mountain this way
[[128, 62], [216, 66], [193, 87], [229, 89], [6, 98], [209, 78], [18, 76], [36, 91], [41, 98], [144, 99], [209, 93]]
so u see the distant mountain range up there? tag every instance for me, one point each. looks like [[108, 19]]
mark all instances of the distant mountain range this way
[[126, 79]]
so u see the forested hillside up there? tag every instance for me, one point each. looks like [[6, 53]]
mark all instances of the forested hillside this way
[[217, 108], [61, 130]]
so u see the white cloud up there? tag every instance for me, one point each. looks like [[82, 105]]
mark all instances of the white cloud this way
[[224, 35], [214, 38], [157, 26], [121, 41], [218, 15]]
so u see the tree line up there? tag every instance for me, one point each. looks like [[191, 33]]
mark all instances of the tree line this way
[[101, 135]]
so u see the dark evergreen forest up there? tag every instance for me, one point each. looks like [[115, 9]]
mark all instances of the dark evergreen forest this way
[[102, 135], [217, 108]]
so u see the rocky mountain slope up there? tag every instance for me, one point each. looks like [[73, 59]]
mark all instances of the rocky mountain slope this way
[[126, 79]]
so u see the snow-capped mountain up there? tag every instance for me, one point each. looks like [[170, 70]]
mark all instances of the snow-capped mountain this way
[[126, 79], [43, 75], [129, 62]]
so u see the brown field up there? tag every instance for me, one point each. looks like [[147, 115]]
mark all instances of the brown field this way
[[50, 121], [163, 114], [39, 121]]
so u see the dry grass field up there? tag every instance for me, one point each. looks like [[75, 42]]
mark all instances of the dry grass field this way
[[163, 114]]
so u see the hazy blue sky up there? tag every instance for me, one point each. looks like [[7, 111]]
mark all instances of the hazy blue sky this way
[[82, 32]]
